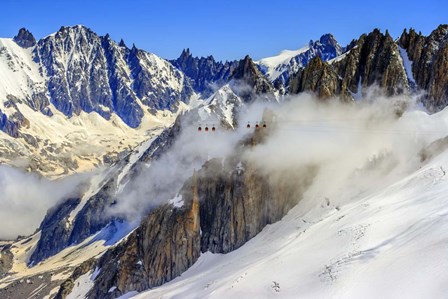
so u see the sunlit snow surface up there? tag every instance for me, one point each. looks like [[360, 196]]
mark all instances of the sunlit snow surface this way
[[388, 243], [273, 65]]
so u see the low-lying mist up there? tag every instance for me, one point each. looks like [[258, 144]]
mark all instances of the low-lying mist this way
[[355, 148], [26, 197], [162, 179]]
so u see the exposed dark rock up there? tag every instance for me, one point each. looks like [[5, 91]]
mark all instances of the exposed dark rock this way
[[93, 217], [55, 231], [326, 48], [155, 98], [6, 260], [24, 38], [249, 83], [430, 62], [11, 124], [95, 77], [68, 285], [318, 77], [57, 234], [165, 245], [373, 59], [206, 74], [122, 43], [228, 202]]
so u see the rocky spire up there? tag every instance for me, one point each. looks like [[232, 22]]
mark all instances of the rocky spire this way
[[122, 44], [429, 56], [24, 38], [328, 39], [204, 73], [249, 81]]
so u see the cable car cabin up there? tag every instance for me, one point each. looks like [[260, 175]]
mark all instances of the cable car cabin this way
[[248, 126], [206, 129], [257, 126], [264, 125], [199, 129], [213, 129]]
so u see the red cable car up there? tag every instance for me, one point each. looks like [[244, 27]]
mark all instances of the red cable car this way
[[257, 126], [206, 129]]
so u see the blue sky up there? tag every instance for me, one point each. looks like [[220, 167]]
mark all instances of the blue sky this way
[[226, 29]]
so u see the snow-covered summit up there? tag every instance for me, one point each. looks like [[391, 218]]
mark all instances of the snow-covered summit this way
[[288, 62]]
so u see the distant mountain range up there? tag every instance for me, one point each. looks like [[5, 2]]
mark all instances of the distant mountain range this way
[[75, 100], [76, 70]]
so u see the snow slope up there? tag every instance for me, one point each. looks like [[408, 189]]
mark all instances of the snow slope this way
[[271, 64], [390, 244], [407, 64], [20, 74]]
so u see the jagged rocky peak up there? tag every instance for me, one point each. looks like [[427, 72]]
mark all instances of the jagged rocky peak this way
[[246, 70], [248, 82], [373, 59], [280, 68], [327, 47], [93, 73], [204, 73], [429, 56], [318, 77], [186, 54], [328, 39], [75, 30], [122, 44], [24, 38]]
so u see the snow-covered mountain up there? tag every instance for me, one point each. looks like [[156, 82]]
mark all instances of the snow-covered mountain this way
[[205, 73], [288, 62], [184, 212], [383, 244], [73, 88]]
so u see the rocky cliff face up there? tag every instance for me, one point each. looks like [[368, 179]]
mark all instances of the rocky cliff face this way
[[320, 78], [24, 38], [55, 233], [12, 123], [205, 73], [88, 73], [429, 56], [61, 229], [372, 59], [218, 209], [249, 83], [164, 246]]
